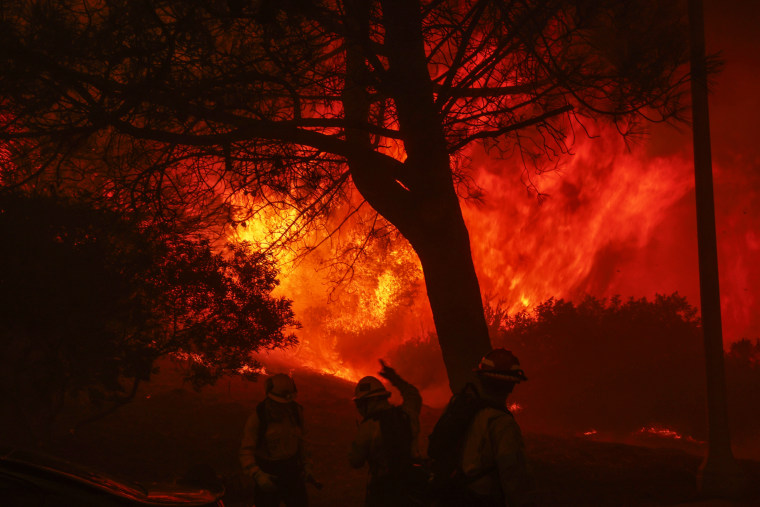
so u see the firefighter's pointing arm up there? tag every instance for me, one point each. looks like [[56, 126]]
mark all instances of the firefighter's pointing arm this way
[[409, 393]]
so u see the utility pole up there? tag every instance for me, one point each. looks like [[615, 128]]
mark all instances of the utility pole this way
[[720, 474]]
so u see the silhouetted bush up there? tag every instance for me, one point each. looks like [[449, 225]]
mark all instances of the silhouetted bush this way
[[743, 379], [616, 366], [90, 298]]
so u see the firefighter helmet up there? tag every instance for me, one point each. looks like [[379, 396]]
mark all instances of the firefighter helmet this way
[[281, 388], [370, 387], [501, 364]]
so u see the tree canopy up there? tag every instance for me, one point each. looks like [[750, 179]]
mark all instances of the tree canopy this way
[[89, 300], [207, 105]]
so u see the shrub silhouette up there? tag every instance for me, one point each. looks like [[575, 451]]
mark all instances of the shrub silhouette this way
[[90, 298], [616, 366]]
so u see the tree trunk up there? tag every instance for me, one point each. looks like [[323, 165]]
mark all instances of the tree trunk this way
[[418, 195], [454, 294], [719, 474]]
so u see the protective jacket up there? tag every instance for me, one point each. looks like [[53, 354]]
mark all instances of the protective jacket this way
[[283, 438], [273, 451], [493, 460], [385, 479], [367, 446]]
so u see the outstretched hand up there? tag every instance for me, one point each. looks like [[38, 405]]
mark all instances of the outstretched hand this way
[[386, 371]]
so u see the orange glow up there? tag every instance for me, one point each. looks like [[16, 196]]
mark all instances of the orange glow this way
[[610, 225], [365, 313], [600, 198]]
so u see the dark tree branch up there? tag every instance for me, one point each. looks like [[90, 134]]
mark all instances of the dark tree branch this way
[[486, 134]]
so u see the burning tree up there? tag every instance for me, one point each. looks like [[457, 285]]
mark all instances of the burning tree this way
[[200, 106]]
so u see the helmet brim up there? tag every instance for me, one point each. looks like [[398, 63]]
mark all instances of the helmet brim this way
[[281, 399], [377, 394], [515, 376]]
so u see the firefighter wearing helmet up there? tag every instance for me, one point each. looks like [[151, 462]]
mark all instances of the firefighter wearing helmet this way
[[386, 438], [272, 451], [487, 446]]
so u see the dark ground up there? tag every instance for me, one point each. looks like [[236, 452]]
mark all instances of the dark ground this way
[[169, 429]]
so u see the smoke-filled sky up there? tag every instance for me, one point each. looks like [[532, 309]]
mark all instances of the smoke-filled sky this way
[[624, 222], [731, 28], [618, 220]]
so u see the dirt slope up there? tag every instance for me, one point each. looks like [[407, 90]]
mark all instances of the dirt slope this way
[[170, 429]]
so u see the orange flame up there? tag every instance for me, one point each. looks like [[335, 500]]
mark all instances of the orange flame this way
[[612, 224], [601, 198]]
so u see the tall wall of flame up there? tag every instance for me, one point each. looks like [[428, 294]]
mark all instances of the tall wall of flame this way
[[618, 220]]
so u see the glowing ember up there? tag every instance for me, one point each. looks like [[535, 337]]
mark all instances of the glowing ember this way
[[590, 433], [663, 432], [248, 370], [514, 407], [191, 357]]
